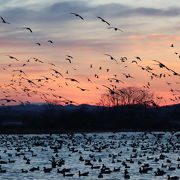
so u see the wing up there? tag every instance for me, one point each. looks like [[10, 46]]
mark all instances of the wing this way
[[108, 55], [2, 19], [30, 30], [107, 22], [120, 29], [80, 17]]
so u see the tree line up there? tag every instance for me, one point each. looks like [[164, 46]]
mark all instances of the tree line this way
[[128, 109]]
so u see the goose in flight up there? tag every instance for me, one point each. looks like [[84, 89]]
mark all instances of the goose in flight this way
[[29, 81], [3, 21], [111, 57], [89, 80], [77, 15], [175, 73], [116, 80], [47, 78], [39, 44], [110, 90], [57, 72], [72, 79], [148, 68], [37, 60], [103, 20], [39, 80], [82, 89], [161, 65], [123, 59], [8, 100], [50, 41], [52, 64], [138, 58], [116, 29], [127, 75], [21, 71], [69, 56], [12, 57], [134, 61], [29, 29], [68, 59]]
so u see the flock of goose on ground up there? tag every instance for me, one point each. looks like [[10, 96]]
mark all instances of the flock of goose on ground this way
[[104, 155], [21, 85]]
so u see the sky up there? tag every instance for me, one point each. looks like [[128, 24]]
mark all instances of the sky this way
[[149, 28]]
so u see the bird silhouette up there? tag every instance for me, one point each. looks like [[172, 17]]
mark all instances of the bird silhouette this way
[[52, 64], [3, 21], [161, 65], [134, 61], [50, 41], [39, 44], [89, 80], [57, 72], [21, 71], [116, 29], [38, 80], [137, 57], [37, 60], [72, 79], [30, 81], [127, 75], [8, 100], [29, 29], [69, 56], [112, 58], [103, 20], [68, 59], [12, 57], [110, 90], [82, 89], [116, 80], [77, 15], [74, 69]]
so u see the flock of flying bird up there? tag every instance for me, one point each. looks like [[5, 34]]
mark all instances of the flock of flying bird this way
[[23, 86]]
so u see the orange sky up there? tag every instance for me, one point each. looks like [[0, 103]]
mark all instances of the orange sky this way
[[145, 34]]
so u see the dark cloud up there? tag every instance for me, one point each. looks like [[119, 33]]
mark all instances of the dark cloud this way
[[150, 12], [60, 12], [49, 22], [57, 12], [18, 15]]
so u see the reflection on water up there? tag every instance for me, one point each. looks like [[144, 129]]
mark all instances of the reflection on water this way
[[107, 155]]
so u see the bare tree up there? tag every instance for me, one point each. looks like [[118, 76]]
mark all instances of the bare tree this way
[[127, 96]]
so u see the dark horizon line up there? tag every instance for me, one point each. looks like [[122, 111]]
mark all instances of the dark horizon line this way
[[41, 103]]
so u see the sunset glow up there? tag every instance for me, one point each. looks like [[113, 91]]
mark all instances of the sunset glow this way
[[149, 30]]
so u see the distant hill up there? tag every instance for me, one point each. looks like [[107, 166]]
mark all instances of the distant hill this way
[[39, 107]]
